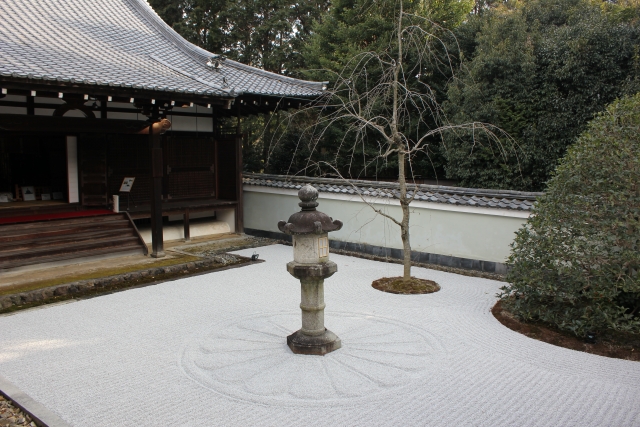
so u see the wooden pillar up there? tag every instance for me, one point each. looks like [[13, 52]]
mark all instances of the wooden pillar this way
[[103, 107], [31, 110], [239, 207], [187, 230], [157, 242]]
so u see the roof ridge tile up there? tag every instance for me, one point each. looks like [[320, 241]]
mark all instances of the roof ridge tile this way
[[437, 194]]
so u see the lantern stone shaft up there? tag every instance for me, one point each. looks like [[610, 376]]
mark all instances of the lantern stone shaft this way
[[309, 229]]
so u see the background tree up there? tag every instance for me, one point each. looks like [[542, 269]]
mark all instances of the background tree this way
[[261, 33], [354, 27], [575, 263], [539, 69], [383, 100], [264, 34]]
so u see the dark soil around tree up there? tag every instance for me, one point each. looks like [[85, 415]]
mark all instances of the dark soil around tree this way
[[397, 285], [610, 344]]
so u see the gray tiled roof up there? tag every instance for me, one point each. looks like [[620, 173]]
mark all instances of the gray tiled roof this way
[[121, 43], [501, 199]]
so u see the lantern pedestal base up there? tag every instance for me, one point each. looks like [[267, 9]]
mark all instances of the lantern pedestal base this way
[[318, 345]]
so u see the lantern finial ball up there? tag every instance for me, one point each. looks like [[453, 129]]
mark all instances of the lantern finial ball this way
[[308, 196]]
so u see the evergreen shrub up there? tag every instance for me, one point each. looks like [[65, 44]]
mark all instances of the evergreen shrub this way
[[575, 263]]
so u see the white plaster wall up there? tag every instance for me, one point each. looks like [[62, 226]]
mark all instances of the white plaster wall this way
[[46, 111], [228, 216], [14, 110], [197, 228], [191, 124], [15, 98], [182, 123], [43, 111], [75, 113], [42, 100], [465, 232], [123, 116], [72, 169]]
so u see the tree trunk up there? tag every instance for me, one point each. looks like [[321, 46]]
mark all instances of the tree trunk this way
[[266, 138], [404, 224], [397, 141]]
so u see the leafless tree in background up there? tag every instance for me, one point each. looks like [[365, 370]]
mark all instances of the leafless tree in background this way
[[383, 97]]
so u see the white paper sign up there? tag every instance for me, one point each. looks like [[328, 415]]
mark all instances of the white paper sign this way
[[28, 193], [4, 199], [127, 183], [45, 196]]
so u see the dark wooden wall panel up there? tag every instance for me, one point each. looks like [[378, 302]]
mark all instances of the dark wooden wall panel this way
[[92, 159], [227, 169], [190, 167], [38, 160], [130, 155]]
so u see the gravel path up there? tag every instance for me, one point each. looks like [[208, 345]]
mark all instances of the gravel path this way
[[210, 350]]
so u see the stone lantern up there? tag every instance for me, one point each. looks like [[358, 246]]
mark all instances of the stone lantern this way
[[311, 266]]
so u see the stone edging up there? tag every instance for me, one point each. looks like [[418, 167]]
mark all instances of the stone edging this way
[[68, 290], [40, 415]]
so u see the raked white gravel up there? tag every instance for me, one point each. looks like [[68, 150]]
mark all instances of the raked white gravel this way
[[211, 351]]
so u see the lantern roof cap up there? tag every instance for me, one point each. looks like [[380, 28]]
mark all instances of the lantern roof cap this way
[[309, 220]]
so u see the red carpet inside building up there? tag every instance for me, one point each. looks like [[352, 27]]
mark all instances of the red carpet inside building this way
[[51, 216]]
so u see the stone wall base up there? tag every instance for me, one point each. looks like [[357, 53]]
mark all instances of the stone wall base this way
[[383, 252]]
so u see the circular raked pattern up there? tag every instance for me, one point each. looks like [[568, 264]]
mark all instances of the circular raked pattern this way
[[247, 358]]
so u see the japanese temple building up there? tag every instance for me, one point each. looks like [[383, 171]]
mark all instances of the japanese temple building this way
[[96, 91]]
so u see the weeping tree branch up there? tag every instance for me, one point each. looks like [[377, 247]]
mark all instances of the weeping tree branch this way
[[388, 110]]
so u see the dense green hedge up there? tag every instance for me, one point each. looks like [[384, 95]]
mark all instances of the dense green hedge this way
[[575, 263], [540, 70]]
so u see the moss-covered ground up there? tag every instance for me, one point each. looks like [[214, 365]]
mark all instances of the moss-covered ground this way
[[106, 272]]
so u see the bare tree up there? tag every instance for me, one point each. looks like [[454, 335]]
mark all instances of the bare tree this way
[[381, 97]]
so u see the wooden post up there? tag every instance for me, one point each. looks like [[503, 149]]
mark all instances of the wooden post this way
[[187, 231], [157, 242], [31, 105], [103, 107], [216, 136]]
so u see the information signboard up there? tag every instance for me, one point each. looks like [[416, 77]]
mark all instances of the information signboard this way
[[127, 183]]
